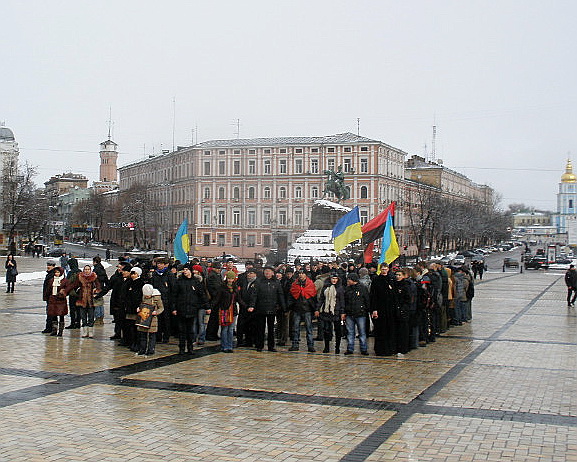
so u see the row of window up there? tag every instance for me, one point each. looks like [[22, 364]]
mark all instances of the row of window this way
[[330, 149], [267, 218], [267, 192], [236, 240], [280, 219], [298, 166]]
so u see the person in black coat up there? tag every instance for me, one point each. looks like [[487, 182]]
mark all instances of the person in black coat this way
[[265, 298], [132, 294], [163, 280], [245, 322], [213, 283], [11, 273], [357, 305], [189, 297], [72, 277], [330, 307], [98, 299], [384, 312], [50, 267], [115, 284], [407, 307]]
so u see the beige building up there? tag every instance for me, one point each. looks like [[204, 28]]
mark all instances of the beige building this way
[[446, 180], [60, 184], [246, 196], [531, 219]]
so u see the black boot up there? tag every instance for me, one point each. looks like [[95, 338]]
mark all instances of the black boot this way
[[326, 350], [60, 329], [54, 329]]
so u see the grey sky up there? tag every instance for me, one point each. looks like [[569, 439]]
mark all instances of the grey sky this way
[[497, 78]]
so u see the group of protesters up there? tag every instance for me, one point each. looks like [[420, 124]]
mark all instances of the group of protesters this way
[[402, 308]]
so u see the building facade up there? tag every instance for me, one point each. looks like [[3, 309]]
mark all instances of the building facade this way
[[108, 167], [566, 199], [247, 196], [9, 153]]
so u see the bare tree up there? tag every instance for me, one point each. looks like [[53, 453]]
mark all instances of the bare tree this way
[[24, 205]]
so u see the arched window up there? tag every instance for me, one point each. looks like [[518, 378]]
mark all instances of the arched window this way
[[364, 192], [221, 193], [314, 192], [251, 193], [207, 193], [266, 193], [298, 192], [236, 193], [282, 192]]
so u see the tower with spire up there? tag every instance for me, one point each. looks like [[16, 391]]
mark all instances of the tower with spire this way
[[108, 168], [566, 199]]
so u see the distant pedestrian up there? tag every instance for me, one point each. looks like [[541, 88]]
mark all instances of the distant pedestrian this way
[[570, 282], [11, 273]]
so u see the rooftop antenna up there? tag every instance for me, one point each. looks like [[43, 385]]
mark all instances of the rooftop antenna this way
[[237, 125], [433, 157], [173, 120], [358, 126]]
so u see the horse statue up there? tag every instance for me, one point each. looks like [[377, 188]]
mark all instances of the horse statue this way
[[336, 184]]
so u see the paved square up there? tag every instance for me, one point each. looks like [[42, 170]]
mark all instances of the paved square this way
[[499, 388]]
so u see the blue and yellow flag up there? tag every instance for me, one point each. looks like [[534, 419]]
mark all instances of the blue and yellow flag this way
[[347, 230], [181, 243], [389, 246]]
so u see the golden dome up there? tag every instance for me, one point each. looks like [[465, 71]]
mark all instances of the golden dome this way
[[568, 176]]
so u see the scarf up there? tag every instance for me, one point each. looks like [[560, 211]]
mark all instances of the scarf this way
[[330, 299], [86, 294], [56, 284], [308, 290], [226, 316]]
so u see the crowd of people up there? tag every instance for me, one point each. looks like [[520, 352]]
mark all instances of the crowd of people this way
[[150, 302]]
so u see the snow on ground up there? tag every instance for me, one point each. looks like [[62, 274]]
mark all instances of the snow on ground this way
[[35, 275]]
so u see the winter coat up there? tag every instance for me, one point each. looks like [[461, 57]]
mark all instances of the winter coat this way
[[133, 296], [406, 297], [88, 286], [102, 279], [213, 282], [461, 286], [246, 288], [154, 303], [357, 301], [11, 271], [383, 296], [49, 275], [267, 296], [189, 297], [57, 304], [164, 282], [303, 296], [226, 298], [115, 286], [340, 300], [570, 278]]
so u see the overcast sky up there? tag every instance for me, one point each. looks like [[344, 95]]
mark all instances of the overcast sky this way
[[497, 78]]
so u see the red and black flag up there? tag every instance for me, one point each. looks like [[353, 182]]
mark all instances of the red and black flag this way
[[373, 230]]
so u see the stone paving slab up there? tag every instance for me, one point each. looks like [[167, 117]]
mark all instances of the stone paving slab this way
[[448, 438], [540, 391], [152, 425], [65, 354], [11, 383], [530, 355], [374, 378]]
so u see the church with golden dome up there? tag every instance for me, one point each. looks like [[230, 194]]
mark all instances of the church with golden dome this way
[[566, 215]]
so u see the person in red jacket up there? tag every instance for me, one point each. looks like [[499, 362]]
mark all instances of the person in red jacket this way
[[303, 299]]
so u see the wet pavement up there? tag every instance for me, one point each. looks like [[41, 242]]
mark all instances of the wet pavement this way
[[503, 387]]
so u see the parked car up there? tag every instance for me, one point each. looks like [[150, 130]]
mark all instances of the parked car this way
[[446, 261], [536, 262], [459, 260], [56, 253], [510, 262], [227, 257]]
